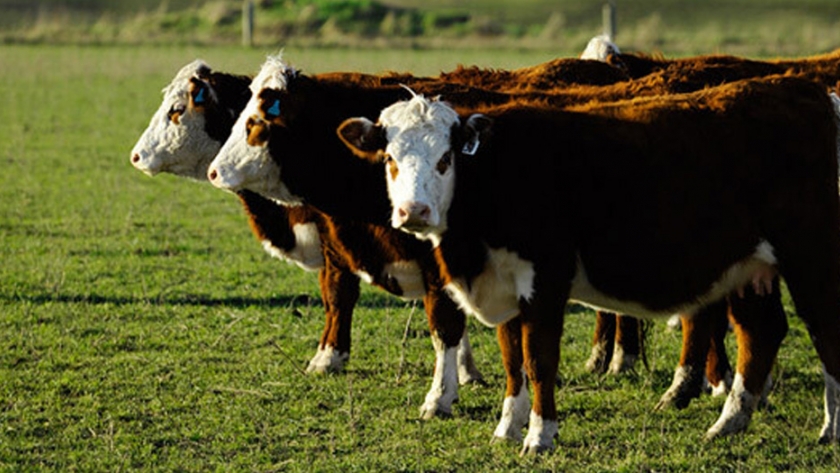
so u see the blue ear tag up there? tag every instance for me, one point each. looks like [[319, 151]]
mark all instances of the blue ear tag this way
[[470, 148], [274, 111], [199, 98]]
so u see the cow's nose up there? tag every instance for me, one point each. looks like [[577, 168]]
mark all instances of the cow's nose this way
[[413, 214]]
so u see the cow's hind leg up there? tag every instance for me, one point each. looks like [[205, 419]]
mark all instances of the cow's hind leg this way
[[688, 377], [339, 293], [818, 304], [760, 325], [718, 369], [627, 346], [603, 341]]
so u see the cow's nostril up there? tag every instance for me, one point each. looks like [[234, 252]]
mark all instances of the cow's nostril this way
[[213, 174], [402, 213], [135, 158]]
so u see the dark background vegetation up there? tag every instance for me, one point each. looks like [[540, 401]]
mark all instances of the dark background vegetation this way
[[753, 27]]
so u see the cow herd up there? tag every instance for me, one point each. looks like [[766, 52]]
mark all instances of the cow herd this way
[[632, 184]]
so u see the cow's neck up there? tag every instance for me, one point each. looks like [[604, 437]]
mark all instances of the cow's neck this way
[[233, 93], [318, 167]]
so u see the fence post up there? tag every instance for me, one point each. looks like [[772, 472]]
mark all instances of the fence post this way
[[248, 23], [608, 18]]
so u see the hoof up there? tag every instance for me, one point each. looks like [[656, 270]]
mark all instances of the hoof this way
[[432, 413], [472, 378], [534, 450], [327, 361]]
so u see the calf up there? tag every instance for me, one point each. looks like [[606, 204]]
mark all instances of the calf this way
[[730, 185]]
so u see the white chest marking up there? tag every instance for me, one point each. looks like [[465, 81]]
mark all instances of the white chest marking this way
[[493, 297], [307, 251], [407, 275]]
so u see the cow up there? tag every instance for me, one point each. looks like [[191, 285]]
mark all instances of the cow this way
[[715, 68], [199, 108], [284, 141], [730, 185]]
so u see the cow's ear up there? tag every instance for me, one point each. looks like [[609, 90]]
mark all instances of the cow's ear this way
[[475, 130], [199, 93], [364, 138]]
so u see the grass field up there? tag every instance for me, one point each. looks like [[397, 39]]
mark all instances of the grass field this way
[[142, 328]]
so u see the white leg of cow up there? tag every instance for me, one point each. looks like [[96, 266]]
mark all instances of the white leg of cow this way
[[597, 358], [515, 411], [327, 360], [540, 436], [467, 371], [621, 362], [678, 394], [444, 390], [831, 427], [674, 323], [723, 387], [737, 411]]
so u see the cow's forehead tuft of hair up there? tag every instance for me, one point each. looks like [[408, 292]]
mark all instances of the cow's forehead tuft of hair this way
[[180, 84], [419, 111], [273, 74]]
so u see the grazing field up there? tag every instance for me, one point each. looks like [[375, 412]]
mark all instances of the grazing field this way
[[143, 328]]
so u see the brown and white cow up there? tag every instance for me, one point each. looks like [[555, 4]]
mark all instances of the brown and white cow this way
[[198, 110], [285, 155], [528, 208], [820, 68]]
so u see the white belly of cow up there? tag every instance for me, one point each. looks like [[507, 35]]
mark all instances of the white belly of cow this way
[[734, 278], [306, 253], [407, 275], [493, 297]]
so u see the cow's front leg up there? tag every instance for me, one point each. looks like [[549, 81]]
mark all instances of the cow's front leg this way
[[468, 373], [516, 404], [542, 328], [447, 324], [339, 293]]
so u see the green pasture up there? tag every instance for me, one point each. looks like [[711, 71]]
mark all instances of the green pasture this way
[[142, 327]]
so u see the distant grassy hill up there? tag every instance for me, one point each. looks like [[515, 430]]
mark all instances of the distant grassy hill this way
[[675, 27]]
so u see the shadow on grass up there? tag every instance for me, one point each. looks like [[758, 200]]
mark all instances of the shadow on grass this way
[[291, 301]]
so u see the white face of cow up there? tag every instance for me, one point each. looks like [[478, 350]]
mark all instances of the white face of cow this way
[[416, 140], [244, 161], [176, 141], [599, 48]]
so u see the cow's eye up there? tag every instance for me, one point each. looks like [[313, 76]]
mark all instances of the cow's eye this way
[[175, 113], [387, 159], [445, 162]]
